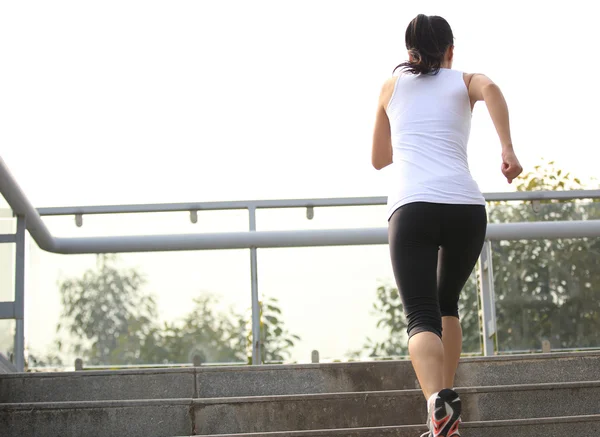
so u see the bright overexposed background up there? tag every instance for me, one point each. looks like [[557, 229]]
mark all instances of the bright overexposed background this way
[[119, 102]]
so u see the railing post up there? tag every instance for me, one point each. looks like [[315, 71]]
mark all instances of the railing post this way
[[256, 346], [20, 295], [488, 299]]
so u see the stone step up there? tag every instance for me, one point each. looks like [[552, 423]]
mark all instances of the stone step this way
[[98, 385], [139, 418], [236, 381], [584, 426], [393, 375], [161, 418], [388, 408]]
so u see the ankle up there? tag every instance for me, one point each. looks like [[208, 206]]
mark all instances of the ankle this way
[[431, 401]]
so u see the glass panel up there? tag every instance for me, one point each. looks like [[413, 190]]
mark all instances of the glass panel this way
[[8, 225], [326, 297], [7, 337], [138, 309], [332, 298], [547, 289]]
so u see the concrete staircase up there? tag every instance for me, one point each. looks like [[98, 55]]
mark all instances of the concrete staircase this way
[[520, 396]]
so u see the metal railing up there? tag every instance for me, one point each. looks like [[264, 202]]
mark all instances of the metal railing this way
[[30, 218]]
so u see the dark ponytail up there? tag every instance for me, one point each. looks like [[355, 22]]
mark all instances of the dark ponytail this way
[[427, 39]]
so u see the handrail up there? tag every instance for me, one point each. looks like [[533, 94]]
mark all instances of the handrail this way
[[303, 238], [214, 206], [21, 206], [298, 203], [263, 239]]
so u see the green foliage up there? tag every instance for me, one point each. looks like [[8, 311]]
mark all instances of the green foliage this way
[[48, 360], [388, 307], [106, 313], [547, 288], [469, 311], [215, 337]]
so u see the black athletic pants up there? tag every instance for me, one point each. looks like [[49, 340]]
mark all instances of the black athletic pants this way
[[434, 248]]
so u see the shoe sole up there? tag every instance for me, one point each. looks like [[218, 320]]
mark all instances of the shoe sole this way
[[447, 403]]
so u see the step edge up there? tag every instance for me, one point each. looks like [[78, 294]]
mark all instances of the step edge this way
[[282, 367], [82, 405], [474, 425], [408, 392], [97, 373]]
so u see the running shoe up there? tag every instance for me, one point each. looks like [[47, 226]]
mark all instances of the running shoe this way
[[443, 416]]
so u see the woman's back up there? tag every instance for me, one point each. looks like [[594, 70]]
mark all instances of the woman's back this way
[[430, 122]]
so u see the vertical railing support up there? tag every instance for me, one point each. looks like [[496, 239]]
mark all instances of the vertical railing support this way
[[20, 295], [256, 346], [488, 300]]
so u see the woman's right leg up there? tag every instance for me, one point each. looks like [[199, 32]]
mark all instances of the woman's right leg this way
[[452, 340], [463, 234]]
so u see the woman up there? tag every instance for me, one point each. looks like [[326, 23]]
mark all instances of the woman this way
[[437, 216]]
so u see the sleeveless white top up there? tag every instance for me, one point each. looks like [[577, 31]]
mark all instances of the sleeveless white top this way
[[430, 121]]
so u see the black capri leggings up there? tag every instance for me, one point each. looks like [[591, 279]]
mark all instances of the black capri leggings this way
[[434, 248]]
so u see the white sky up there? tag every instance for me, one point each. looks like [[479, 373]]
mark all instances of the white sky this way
[[119, 102]]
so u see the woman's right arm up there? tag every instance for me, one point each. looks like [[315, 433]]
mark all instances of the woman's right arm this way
[[481, 88]]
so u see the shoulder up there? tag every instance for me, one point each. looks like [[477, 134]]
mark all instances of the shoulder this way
[[476, 83], [474, 78], [467, 77], [389, 85], [387, 90]]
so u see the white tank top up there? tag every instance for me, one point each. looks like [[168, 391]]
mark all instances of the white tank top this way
[[430, 121]]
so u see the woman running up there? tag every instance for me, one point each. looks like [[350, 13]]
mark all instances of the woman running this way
[[437, 216]]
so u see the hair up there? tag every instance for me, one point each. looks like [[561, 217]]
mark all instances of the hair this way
[[427, 39]]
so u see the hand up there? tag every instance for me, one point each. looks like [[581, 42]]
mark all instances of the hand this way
[[511, 168]]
